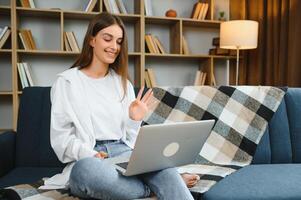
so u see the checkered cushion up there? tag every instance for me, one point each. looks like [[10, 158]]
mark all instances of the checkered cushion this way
[[241, 116]]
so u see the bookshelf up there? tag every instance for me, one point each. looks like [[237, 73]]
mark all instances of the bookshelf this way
[[50, 19]]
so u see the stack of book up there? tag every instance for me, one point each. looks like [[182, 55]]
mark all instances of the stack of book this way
[[25, 74], [115, 6], [153, 44], [27, 39], [27, 3], [70, 42], [219, 51], [185, 49], [90, 6], [199, 11], [150, 79], [200, 78], [4, 35]]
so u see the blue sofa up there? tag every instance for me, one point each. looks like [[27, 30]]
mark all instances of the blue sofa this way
[[275, 173]]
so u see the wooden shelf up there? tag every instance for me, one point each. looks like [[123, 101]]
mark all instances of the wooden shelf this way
[[6, 129], [161, 20], [6, 93], [223, 57], [201, 23], [193, 56], [185, 21], [46, 52], [34, 12], [78, 14], [5, 51], [134, 54], [58, 53], [5, 10], [129, 17]]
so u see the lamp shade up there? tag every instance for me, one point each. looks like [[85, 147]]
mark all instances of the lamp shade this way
[[239, 34]]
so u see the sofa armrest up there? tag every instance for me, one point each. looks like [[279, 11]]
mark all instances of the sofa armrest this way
[[7, 152]]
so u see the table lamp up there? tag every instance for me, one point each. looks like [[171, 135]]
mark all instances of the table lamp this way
[[238, 34]]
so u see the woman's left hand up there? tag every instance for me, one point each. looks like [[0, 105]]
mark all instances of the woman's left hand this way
[[140, 106]]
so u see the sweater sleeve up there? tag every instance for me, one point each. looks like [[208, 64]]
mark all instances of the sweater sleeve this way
[[132, 126], [67, 145]]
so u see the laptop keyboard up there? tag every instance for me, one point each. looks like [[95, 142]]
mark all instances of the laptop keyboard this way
[[123, 165]]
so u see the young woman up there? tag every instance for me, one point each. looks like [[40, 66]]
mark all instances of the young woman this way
[[95, 115]]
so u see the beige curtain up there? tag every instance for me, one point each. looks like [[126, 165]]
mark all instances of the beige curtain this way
[[277, 60]]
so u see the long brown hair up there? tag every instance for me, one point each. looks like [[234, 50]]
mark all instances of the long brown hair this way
[[120, 65]]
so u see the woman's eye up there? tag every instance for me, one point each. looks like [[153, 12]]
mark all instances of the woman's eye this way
[[107, 39]]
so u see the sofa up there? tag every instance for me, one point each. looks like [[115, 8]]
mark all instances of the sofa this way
[[275, 173]]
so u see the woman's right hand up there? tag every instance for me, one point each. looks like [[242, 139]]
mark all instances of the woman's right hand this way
[[101, 155]]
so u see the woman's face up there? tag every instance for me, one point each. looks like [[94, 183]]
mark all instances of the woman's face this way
[[107, 43]]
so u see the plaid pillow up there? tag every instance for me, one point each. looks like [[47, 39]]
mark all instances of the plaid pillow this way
[[241, 114]]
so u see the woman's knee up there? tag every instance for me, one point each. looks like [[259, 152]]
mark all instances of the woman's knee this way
[[85, 170]]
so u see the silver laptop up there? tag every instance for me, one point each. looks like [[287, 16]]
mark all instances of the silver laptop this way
[[164, 145]]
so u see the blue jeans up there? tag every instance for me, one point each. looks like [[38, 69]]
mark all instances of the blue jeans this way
[[96, 178]]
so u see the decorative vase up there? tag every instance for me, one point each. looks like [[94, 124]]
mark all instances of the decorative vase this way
[[171, 13]]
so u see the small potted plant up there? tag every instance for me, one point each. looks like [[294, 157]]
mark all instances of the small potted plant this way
[[221, 16]]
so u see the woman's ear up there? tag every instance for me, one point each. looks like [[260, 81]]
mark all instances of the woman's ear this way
[[92, 41]]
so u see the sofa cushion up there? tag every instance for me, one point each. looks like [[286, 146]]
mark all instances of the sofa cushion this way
[[33, 147], [293, 103], [23, 175], [277, 181], [276, 135]]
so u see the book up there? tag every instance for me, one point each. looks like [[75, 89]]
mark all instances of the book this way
[[203, 79], [66, 43], [219, 51], [72, 41], [147, 79], [27, 39], [152, 77], [31, 40], [215, 41], [193, 10], [90, 6], [2, 31], [149, 43], [28, 71], [114, 7], [200, 78], [5, 37], [205, 11], [159, 45], [107, 6], [148, 8], [197, 78], [22, 75], [213, 81], [196, 10], [32, 4], [25, 3], [24, 42], [152, 38], [200, 14], [185, 49], [121, 6]]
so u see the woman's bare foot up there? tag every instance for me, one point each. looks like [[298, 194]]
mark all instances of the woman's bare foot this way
[[190, 179]]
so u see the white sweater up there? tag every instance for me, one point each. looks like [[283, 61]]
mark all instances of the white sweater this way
[[77, 119]]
